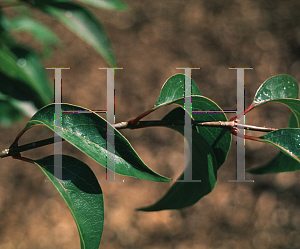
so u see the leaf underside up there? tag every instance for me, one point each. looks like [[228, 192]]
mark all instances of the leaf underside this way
[[82, 193]]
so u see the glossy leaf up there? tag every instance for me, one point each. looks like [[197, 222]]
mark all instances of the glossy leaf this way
[[287, 140], [106, 4], [174, 89], [204, 168], [219, 139], [283, 162], [82, 193], [83, 23], [276, 87], [87, 132], [204, 109]]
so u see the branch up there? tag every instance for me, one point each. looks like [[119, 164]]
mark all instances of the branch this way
[[220, 124], [15, 150]]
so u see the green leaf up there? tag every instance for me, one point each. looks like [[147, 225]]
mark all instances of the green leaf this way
[[173, 92], [280, 163], [219, 139], [83, 23], [287, 140], [24, 67], [20, 95], [12, 110], [276, 87], [174, 89], [283, 162], [87, 132], [204, 168], [106, 4], [8, 113], [39, 31], [82, 193]]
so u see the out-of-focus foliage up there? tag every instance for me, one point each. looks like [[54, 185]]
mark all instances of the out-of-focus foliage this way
[[24, 86]]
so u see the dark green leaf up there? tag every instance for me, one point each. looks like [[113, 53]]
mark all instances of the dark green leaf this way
[[82, 193], [219, 139], [20, 95], [174, 89], [204, 168], [24, 67], [9, 114], [283, 162], [87, 132], [287, 140], [276, 87], [83, 23], [173, 92]]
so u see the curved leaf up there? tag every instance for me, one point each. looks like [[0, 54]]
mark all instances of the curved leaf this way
[[12, 110], [219, 139], [39, 31], [83, 23], [287, 140], [87, 132], [8, 113], [283, 162], [204, 109], [82, 193], [106, 4], [280, 163], [20, 94], [24, 67], [174, 89], [276, 87], [204, 168]]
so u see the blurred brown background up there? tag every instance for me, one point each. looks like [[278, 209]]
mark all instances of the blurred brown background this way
[[150, 41]]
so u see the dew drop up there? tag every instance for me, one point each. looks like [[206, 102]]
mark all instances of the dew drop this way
[[267, 93], [21, 62]]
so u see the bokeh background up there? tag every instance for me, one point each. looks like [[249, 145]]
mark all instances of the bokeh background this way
[[150, 41]]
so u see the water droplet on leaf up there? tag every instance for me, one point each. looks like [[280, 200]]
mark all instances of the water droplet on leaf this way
[[21, 62]]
